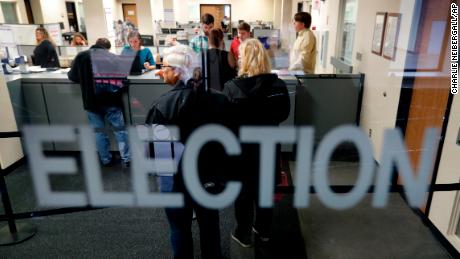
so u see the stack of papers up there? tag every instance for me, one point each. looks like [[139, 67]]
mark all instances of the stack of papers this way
[[36, 69]]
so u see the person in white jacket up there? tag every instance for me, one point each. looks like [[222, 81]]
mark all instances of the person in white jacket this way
[[303, 53]]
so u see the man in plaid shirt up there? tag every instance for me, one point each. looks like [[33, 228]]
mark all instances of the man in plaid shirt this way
[[201, 41]]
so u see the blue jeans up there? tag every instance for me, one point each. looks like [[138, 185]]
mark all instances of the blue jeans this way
[[114, 116]]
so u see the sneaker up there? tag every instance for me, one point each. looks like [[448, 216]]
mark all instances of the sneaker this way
[[126, 164], [111, 163], [244, 242], [264, 239]]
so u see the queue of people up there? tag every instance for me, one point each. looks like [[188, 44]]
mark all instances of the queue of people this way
[[241, 90]]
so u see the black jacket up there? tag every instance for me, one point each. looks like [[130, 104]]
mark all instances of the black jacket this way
[[45, 55], [219, 70], [188, 108], [261, 100], [82, 73], [258, 100]]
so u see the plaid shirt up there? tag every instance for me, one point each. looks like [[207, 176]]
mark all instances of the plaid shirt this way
[[199, 42]]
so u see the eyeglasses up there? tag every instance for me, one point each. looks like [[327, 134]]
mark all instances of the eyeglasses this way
[[165, 66]]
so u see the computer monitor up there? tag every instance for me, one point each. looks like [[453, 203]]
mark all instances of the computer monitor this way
[[175, 30], [136, 68], [185, 42], [147, 40]]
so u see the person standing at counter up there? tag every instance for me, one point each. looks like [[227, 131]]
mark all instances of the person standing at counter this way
[[101, 106], [78, 40], [244, 32], [135, 46], [303, 53], [188, 106], [45, 54], [200, 42], [259, 98], [220, 64]]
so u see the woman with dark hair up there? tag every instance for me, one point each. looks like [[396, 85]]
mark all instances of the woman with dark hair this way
[[45, 54], [135, 47], [220, 64]]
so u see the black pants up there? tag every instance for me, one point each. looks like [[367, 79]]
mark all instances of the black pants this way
[[247, 209], [180, 223]]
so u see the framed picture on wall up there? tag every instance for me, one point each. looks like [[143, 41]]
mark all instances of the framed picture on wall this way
[[379, 31], [390, 39]]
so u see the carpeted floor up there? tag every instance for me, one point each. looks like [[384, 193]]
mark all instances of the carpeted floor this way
[[314, 232]]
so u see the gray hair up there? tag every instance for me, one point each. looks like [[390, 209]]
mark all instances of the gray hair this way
[[183, 59]]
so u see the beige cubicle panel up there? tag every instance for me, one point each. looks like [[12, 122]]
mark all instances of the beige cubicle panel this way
[[10, 148]]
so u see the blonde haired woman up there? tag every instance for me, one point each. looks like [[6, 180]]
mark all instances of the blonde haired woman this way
[[45, 54], [259, 98], [78, 40]]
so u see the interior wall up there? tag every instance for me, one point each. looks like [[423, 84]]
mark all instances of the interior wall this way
[[96, 26], [157, 9], [20, 10], [10, 149], [54, 12], [382, 88], [2, 19], [241, 9], [36, 11], [144, 16], [329, 19], [119, 8], [277, 13]]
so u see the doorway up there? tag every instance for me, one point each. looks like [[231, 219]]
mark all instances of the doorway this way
[[30, 16], [72, 16], [130, 13], [424, 100], [218, 11]]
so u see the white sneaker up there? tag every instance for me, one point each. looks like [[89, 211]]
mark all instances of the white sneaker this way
[[264, 239], [243, 243]]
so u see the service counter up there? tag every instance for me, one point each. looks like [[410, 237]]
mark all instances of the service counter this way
[[50, 98]]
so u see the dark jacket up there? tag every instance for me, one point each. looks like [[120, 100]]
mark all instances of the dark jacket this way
[[45, 55], [261, 100], [258, 100], [188, 108], [219, 70], [82, 73]]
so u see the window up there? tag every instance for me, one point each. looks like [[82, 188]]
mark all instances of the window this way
[[347, 30], [9, 12]]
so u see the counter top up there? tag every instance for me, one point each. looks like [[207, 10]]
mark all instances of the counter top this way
[[60, 76]]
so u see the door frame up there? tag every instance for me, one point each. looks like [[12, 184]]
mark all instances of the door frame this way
[[75, 18], [201, 14], [136, 23]]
